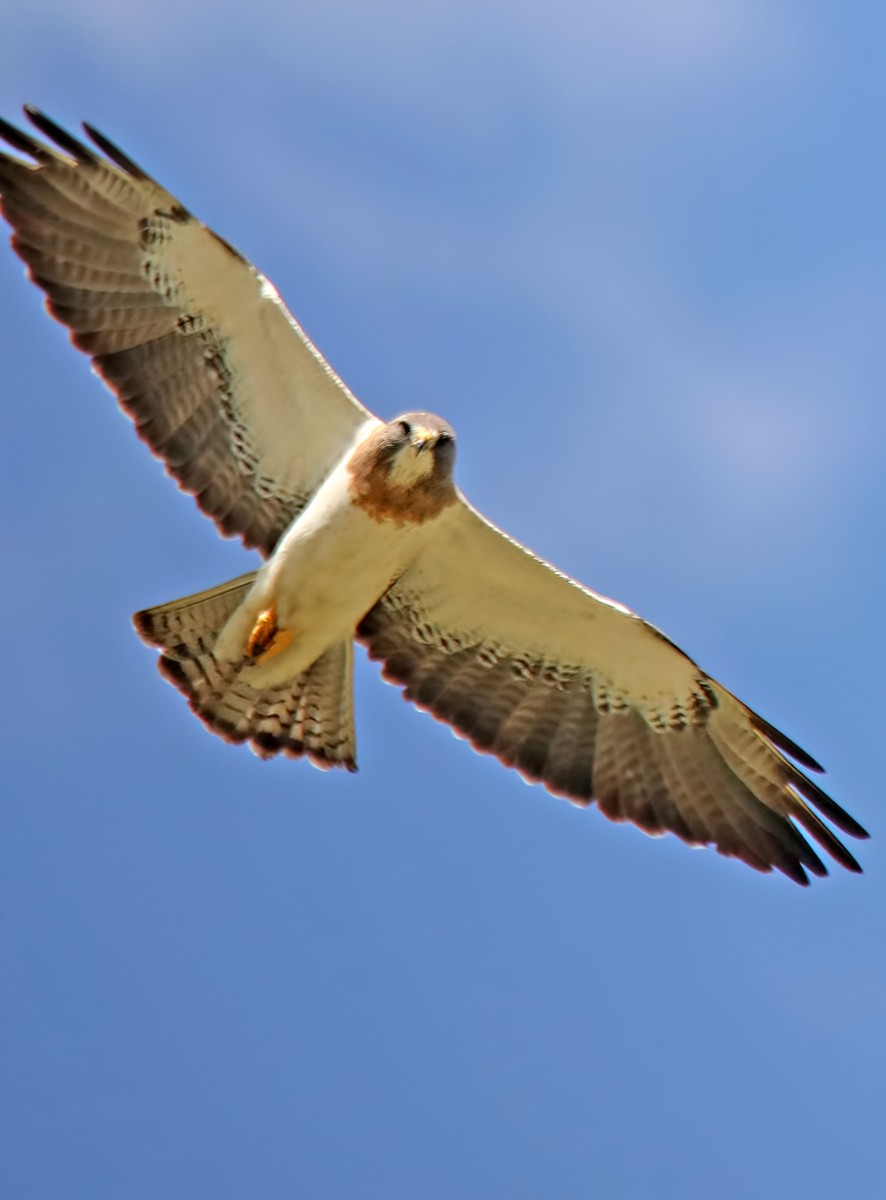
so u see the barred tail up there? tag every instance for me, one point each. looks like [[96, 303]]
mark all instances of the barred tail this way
[[311, 714]]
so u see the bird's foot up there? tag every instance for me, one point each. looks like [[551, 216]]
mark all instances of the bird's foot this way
[[267, 639]]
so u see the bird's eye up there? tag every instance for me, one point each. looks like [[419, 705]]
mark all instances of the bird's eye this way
[[443, 437], [405, 428]]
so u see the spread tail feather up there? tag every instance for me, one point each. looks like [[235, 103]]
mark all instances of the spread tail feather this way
[[311, 714]]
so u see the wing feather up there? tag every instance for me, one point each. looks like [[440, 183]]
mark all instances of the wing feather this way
[[222, 383], [581, 695]]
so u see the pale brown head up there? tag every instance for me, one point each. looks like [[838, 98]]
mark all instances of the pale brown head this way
[[403, 471]]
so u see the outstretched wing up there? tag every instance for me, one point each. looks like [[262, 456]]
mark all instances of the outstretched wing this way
[[220, 380], [580, 694]]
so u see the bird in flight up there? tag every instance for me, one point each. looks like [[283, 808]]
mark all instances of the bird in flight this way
[[366, 537]]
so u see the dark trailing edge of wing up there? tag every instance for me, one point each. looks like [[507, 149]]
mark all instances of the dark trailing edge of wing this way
[[449, 685], [437, 681], [145, 359]]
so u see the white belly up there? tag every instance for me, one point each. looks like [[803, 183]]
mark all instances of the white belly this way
[[328, 570]]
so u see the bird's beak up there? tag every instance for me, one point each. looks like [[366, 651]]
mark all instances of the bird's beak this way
[[423, 438]]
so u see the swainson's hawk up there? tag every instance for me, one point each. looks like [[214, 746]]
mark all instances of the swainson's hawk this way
[[366, 537]]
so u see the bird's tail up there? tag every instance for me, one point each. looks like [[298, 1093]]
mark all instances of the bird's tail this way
[[311, 714]]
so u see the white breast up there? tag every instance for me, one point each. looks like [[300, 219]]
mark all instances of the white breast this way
[[330, 567]]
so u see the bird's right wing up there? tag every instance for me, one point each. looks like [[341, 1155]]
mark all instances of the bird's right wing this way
[[220, 380]]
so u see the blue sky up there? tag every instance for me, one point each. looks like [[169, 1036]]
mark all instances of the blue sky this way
[[634, 252]]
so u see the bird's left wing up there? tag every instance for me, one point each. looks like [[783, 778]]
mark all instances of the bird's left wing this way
[[219, 379], [580, 694]]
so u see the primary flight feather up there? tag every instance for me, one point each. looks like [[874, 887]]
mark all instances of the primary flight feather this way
[[365, 536]]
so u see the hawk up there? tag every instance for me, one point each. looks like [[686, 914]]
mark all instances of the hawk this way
[[366, 537]]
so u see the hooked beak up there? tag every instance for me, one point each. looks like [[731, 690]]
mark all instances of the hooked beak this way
[[424, 438]]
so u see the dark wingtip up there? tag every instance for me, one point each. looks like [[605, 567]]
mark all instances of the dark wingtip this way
[[852, 826], [78, 150], [785, 744], [21, 141], [826, 806], [848, 824], [115, 154]]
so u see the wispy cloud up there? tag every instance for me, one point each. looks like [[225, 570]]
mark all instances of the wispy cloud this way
[[577, 47], [484, 192]]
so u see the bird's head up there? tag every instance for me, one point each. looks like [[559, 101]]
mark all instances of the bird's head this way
[[403, 471], [418, 448]]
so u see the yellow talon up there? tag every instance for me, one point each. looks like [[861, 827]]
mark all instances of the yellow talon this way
[[281, 639], [267, 638]]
